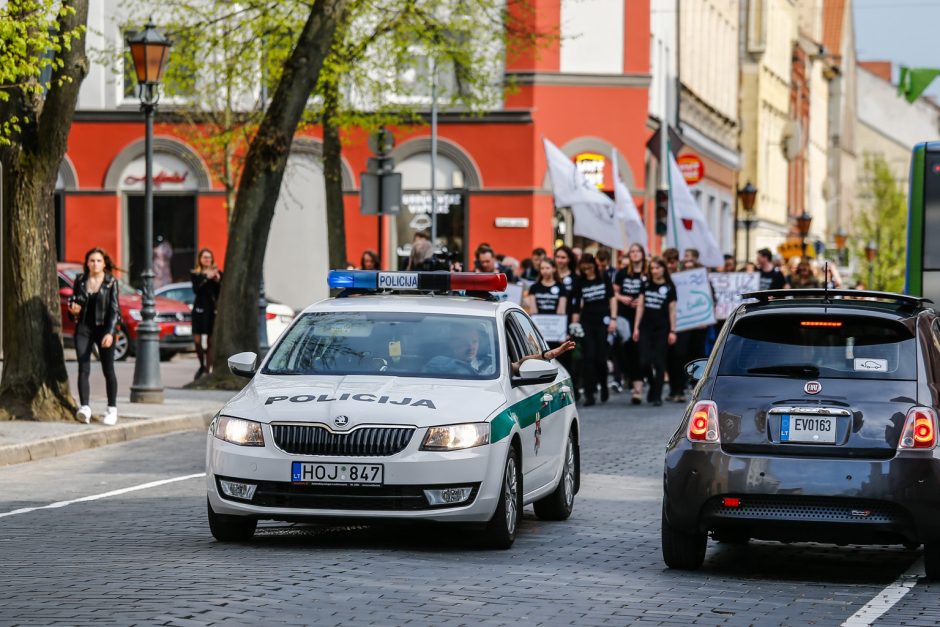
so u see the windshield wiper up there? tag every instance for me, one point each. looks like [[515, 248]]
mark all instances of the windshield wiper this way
[[793, 370]]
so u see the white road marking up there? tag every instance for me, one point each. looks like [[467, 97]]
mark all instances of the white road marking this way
[[103, 495], [887, 598]]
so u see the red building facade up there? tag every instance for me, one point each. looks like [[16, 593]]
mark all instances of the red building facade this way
[[492, 173]]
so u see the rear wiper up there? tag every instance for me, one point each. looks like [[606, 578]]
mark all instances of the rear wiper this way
[[793, 370]]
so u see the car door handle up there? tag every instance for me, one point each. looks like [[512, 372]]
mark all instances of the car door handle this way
[[546, 399]]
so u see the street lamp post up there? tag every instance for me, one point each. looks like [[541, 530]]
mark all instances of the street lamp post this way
[[803, 222], [747, 195], [149, 51], [871, 251]]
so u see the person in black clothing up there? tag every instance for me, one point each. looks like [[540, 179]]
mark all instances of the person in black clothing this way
[[770, 276], [655, 328], [546, 295], [628, 283], [94, 306], [595, 309], [207, 279]]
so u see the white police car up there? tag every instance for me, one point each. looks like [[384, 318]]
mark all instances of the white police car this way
[[381, 405]]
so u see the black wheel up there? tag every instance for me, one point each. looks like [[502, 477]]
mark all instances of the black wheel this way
[[121, 344], [500, 532], [682, 551], [227, 528], [932, 560], [558, 504]]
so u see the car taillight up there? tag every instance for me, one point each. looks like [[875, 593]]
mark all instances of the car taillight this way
[[269, 316], [920, 429], [703, 424]]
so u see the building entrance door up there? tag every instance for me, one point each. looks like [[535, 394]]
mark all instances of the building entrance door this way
[[174, 233]]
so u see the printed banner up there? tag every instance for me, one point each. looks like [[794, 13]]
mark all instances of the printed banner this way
[[728, 288], [695, 306], [554, 328]]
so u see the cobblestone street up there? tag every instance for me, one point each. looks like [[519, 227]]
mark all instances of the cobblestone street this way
[[146, 556]]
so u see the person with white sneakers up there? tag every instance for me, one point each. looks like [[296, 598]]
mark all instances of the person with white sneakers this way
[[94, 305]]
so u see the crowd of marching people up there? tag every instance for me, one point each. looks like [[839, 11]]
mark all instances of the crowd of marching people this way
[[621, 312]]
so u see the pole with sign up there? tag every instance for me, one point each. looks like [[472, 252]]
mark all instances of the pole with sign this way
[[380, 185]]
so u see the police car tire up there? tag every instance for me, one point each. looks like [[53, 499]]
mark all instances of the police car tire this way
[[682, 551], [932, 560], [558, 505], [498, 534], [227, 528]]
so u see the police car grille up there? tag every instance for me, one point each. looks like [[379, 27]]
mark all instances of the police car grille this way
[[364, 442]]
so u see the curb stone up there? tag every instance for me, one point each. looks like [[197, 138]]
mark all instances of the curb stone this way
[[124, 431]]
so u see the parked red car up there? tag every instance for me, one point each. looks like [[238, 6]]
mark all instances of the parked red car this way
[[174, 318]]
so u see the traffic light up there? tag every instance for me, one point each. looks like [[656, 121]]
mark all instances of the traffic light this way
[[662, 210]]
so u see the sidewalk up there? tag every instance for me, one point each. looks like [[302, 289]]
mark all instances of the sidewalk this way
[[183, 410]]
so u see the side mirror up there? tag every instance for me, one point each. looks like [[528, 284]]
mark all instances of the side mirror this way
[[695, 369], [65, 292], [243, 364], [535, 371]]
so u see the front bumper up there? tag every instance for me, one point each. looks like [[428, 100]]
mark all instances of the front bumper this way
[[406, 475], [798, 498]]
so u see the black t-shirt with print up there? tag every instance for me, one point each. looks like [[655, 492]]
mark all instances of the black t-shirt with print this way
[[773, 280], [592, 298], [547, 297], [656, 299], [631, 283]]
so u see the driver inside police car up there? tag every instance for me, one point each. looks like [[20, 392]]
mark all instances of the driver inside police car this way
[[464, 355]]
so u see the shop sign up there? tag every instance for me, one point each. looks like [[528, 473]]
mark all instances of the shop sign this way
[[794, 248], [591, 165], [692, 168], [169, 174], [512, 223]]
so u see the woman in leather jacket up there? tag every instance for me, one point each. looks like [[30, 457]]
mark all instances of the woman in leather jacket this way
[[94, 305]]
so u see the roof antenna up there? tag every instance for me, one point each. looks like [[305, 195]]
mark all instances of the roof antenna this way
[[826, 281]]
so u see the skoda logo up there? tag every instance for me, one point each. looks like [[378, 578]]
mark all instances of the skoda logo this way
[[812, 387], [341, 421]]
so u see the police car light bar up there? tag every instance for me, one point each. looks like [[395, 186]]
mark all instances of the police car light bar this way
[[416, 281]]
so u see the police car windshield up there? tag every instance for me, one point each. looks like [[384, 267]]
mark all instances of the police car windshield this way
[[808, 347], [438, 346]]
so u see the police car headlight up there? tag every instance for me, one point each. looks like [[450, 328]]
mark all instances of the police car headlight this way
[[455, 437], [238, 431]]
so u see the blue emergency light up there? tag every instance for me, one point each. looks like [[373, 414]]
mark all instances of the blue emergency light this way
[[416, 281]]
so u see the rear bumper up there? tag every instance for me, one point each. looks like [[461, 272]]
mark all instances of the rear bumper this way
[[789, 498]]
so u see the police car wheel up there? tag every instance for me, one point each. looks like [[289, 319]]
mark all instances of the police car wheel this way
[[932, 560], [558, 504], [227, 528], [682, 551], [500, 532]]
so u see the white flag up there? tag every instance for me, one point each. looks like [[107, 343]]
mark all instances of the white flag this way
[[685, 225], [595, 216], [629, 217]]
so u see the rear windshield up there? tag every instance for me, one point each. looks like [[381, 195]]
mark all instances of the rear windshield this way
[[440, 346], [808, 347]]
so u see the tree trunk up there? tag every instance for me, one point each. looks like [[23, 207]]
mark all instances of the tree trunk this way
[[236, 327], [333, 175], [35, 384]]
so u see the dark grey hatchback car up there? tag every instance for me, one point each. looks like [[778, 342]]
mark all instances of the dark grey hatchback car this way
[[814, 419]]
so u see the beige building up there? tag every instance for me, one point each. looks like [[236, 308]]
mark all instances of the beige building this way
[[768, 33], [708, 109], [888, 125]]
